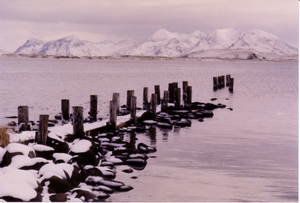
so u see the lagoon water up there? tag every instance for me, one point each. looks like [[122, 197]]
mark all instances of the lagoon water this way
[[247, 154]]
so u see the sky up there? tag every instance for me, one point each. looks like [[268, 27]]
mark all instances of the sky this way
[[99, 20]]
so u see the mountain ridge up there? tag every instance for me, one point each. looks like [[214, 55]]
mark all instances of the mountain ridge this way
[[169, 44]]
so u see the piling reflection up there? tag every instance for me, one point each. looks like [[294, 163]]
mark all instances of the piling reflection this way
[[165, 133], [151, 133]]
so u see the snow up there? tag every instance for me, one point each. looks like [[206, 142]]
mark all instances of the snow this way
[[62, 156], [80, 146], [17, 147], [163, 43], [19, 184], [20, 160], [41, 148], [57, 169], [2, 152]]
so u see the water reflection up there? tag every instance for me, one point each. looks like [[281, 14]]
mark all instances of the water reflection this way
[[165, 133], [151, 133]]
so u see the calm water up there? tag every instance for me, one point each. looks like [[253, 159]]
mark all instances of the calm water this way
[[248, 154]]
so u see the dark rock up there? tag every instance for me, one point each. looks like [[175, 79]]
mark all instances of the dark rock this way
[[213, 99], [207, 114], [57, 185], [80, 160], [90, 154], [124, 188], [184, 123], [6, 159], [134, 177], [84, 195], [136, 161], [58, 116], [12, 123], [210, 106], [200, 119], [36, 166], [58, 145], [128, 170], [230, 109], [91, 172], [143, 148], [60, 197], [76, 177]]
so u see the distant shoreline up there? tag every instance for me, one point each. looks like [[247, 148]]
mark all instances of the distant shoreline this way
[[135, 57]]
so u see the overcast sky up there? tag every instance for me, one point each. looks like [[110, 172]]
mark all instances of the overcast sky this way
[[98, 20]]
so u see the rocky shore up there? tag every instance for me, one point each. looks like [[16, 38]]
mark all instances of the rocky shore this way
[[83, 168]]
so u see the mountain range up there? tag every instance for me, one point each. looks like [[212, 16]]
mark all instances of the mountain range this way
[[221, 43]]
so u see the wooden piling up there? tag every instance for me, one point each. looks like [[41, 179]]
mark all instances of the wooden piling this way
[[93, 107], [130, 93], [231, 82], [175, 86], [184, 92], [189, 94], [133, 110], [153, 104], [222, 80], [171, 93], [157, 92], [178, 97], [65, 106], [113, 115], [78, 129], [164, 105], [23, 117], [145, 98], [116, 99], [215, 82], [43, 130], [227, 80]]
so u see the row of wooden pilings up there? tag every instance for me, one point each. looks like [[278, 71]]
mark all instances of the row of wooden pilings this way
[[172, 95], [219, 82]]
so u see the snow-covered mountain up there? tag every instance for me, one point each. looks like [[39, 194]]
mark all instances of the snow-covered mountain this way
[[71, 46], [164, 43], [32, 46], [221, 43]]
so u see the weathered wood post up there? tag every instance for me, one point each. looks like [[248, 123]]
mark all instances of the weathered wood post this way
[[178, 97], [116, 99], [171, 93], [215, 80], [130, 93], [153, 104], [78, 129], [189, 94], [219, 82], [65, 106], [23, 117], [43, 130], [164, 106], [227, 80], [184, 92], [175, 86], [113, 115], [93, 107], [231, 82], [157, 92], [133, 110], [222, 80], [145, 98]]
